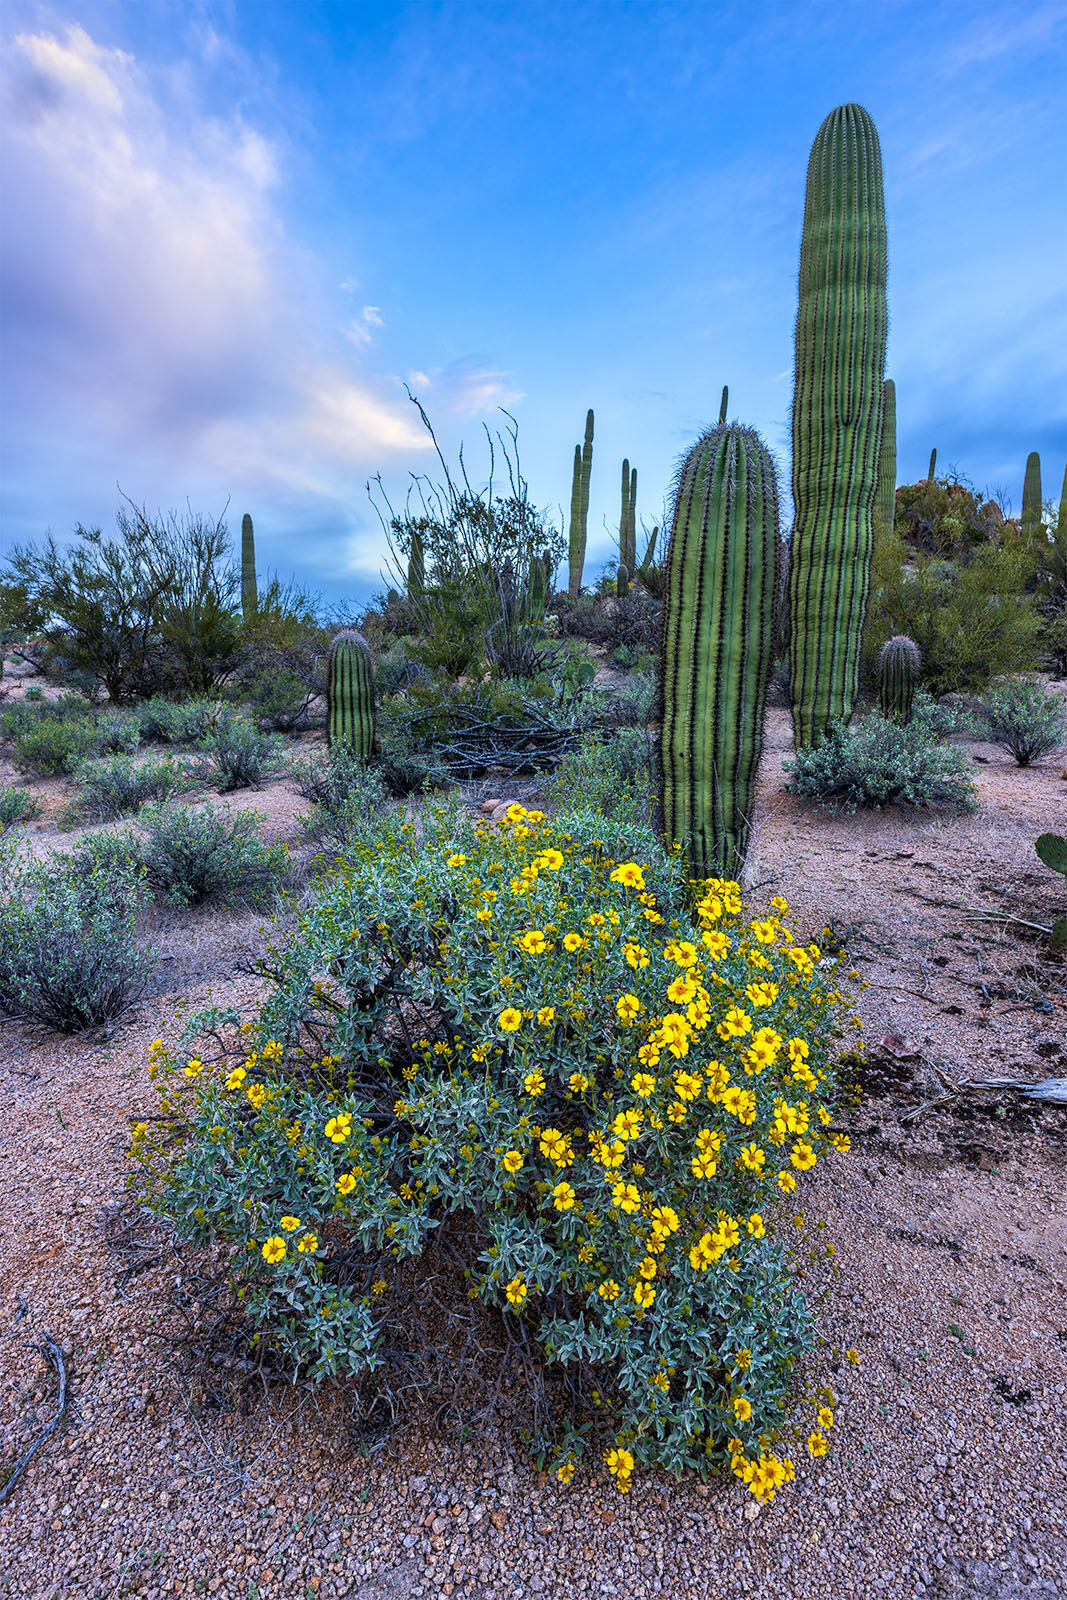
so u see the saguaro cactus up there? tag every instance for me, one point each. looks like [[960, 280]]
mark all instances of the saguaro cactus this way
[[717, 645], [933, 465], [1031, 516], [723, 403], [885, 503], [898, 675], [628, 519], [249, 595], [842, 321], [537, 589], [416, 566], [350, 695], [583, 471]]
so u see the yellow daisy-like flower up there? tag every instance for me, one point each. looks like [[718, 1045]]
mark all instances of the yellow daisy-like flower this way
[[682, 952], [578, 1082], [824, 1417], [345, 1183], [787, 1182], [802, 1156], [716, 944], [290, 1224], [516, 1292], [533, 942], [742, 1408], [629, 874], [703, 1165], [511, 1161], [762, 994], [457, 861], [563, 1197], [565, 1471], [665, 1219], [620, 1463], [752, 1157], [636, 955], [735, 1024], [546, 1015], [644, 1294], [307, 1244], [626, 1196], [756, 1226], [274, 1250], [510, 1020], [643, 1084], [194, 1068], [534, 1082], [609, 1290], [648, 1267], [236, 1078], [841, 1141], [557, 1146], [338, 1128], [818, 1443], [627, 1007], [551, 860], [798, 1050], [573, 942], [627, 1125]]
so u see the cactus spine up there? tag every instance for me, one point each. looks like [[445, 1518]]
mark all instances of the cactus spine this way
[[723, 403], [249, 596], [1031, 515], [842, 321], [885, 503], [717, 645], [898, 675], [628, 519], [583, 471], [350, 695], [933, 465]]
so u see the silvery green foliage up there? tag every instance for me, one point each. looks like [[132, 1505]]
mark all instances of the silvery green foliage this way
[[241, 756], [876, 763], [115, 786], [17, 805], [1026, 719]]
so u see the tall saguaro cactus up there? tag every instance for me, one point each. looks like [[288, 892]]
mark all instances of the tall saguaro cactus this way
[[718, 637], [249, 594], [842, 321], [628, 519], [1031, 516], [885, 502], [931, 471], [350, 695], [583, 471]]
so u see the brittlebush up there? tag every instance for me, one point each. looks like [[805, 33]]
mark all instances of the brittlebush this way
[[618, 1077]]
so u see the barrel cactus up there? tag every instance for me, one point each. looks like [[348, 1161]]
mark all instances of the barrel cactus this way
[[842, 322], [898, 675], [350, 695], [583, 471], [622, 580], [885, 502], [249, 596], [717, 645]]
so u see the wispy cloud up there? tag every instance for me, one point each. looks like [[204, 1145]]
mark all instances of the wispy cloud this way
[[470, 386]]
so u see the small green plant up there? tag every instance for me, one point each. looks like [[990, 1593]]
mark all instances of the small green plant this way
[[116, 734], [1052, 850], [242, 756], [611, 775], [877, 763], [115, 786], [1026, 719], [53, 748], [190, 855], [34, 694], [176, 722], [17, 805], [69, 959]]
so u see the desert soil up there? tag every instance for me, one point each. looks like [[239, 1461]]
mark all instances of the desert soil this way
[[948, 1474]]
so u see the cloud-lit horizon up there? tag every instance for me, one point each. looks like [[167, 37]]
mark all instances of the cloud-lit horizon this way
[[236, 232]]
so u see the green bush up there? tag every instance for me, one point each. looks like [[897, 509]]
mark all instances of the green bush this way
[[605, 1092], [118, 785], [241, 755], [69, 959], [877, 763], [947, 718], [17, 805], [612, 776], [176, 721], [51, 748], [193, 855], [116, 734], [1026, 719]]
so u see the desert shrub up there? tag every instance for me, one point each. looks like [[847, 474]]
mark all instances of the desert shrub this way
[[116, 734], [612, 776], [459, 730], [603, 1084], [877, 763], [1026, 719], [17, 805], [943, 515], [163, 721], [241, 755], [118, 785], [193, 855], [971, 617], [347, 798], [948, 718], [107, 853], [630, 706], [632, 621], [34, 695], [51, 748], [69, 959]]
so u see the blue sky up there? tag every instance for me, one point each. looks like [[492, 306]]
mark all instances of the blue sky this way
[[236, 228]]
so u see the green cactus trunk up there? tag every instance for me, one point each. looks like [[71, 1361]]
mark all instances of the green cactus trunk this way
[[628, 519], [885, 502], [416, 566], [650, 549], [537, 590], [249, 594], [622, 580], [933, 465], [723, 403], [898, 676], [583, 471], [842, 321], [718, 629], [1031, 515], [350, 695]]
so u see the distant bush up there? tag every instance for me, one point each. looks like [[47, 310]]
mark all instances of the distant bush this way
[[68, 953], [1026, 719], [625, 621], [241, 755], [629, 706], [176, 722], [17, 805], [34, 695], [50, 748], [119, 785], [116, 734], [346, 797], [877, 763], [193, 855]]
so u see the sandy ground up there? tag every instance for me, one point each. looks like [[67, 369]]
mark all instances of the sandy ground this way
[[948, 1476]]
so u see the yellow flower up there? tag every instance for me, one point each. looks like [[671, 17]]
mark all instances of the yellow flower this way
[[378, 1286], [716, 944], [532, 941], [735, 1024], [636, 955], [510, 1019], [682, 952], [557, 1146], [194, 1068], [609, 1289], [573, 942], [762, 994], [644, 1294], [457, 861], [338, 1128], [307, 1243], [753, 1157], [626, 1196], [546, 1015], [578, 1082], [648, 1267], [345, 1183], [256, 1096], [565, 1471], [756, 1226], [765, 932], [798, 1050], [627, 1007], [627, 1125], [665, 1220], [534, 1082], [629, 875], [516, 1292], [274, 1250], [802, 1156], [290, 1224], [512, 1161], [841, 1141], [824, 1417], [236, 1078], [552, 860], [703, 1165], [742, 1408], [620, 1463], [786, 1182], [818, 1443], [563, 1197], [643, 1084]]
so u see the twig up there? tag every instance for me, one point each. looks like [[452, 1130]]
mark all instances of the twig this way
[[54, 1356]]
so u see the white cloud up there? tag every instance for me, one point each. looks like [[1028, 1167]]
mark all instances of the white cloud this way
[[470, 387]]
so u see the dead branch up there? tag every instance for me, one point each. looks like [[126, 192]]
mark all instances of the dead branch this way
[[54, 1356]]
